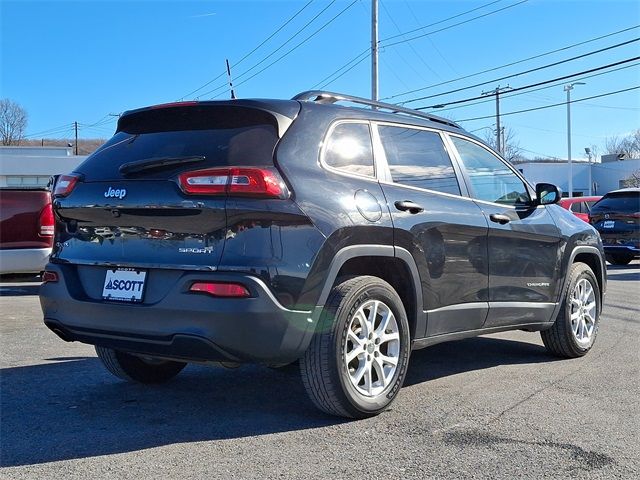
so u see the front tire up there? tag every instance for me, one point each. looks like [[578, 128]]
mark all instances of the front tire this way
[[358, 357], [575, 329], [138, 369]]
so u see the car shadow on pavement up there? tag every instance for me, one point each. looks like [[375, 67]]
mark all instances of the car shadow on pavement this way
[[72, 408], [451, 358]]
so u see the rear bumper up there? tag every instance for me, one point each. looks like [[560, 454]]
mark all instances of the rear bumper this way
[[24, 260], [181, 324]]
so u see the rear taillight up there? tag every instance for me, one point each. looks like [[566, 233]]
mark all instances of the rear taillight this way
[[48, 276], [65, 185], [252, 182], [221, 289], [46, 221]]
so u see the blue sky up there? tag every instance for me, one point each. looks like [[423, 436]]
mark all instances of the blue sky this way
[[83, 60]]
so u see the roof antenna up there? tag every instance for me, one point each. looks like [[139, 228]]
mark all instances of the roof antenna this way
[[233, 95]]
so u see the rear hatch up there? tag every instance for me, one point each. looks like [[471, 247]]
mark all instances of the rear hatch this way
[[133, 203], [617, 217]]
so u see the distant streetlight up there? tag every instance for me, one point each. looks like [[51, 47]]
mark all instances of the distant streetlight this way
[[587, 150], [568, 88]]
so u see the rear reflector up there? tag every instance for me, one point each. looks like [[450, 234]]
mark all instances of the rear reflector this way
[[48, 276], [221, 289], [65, 185], [46, 221], [252, 182]]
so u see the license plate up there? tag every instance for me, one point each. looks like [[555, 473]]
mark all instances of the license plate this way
[[124, 285], [608, 224]]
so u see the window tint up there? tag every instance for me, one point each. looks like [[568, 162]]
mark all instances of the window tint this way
[[349, 149], [417, 158], [626, 202], [491, 179]]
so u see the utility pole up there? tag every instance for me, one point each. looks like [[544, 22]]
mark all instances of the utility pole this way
[[374, 50], [587, 150], [496, 92], [568, 88], [75, 125]]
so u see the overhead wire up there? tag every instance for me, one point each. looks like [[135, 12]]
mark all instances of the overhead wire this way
[[511, 64], [524, 72], [367, 50], [235, 64], [326, 24], [552, 105], [537, 84]]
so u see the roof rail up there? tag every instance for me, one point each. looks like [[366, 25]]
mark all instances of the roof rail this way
[[321, 96]]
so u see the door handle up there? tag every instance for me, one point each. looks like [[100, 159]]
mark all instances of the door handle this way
[[499, 218], [405, 205]]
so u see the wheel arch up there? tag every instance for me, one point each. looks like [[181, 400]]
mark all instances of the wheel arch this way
[[394, 265], [592, 257]]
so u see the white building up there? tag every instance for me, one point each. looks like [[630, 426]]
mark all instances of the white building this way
[[607, 175], [32, 166]]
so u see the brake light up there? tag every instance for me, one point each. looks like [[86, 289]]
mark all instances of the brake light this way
[[221, 289], [46, 221], [65, 185], [253, 182], [48, 276]]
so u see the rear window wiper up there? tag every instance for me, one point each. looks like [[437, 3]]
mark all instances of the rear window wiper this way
[[159, 162]]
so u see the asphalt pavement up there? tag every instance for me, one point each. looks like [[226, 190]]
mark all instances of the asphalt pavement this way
[[496, 406]]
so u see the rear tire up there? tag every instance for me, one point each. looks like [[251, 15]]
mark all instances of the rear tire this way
[[576, 326], [618, 258], [133, 368], [358, 357]]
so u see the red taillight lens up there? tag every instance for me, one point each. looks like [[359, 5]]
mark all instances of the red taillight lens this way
[[65, 185], [48, 276], [221, 289], [253, 182], [46, 221]]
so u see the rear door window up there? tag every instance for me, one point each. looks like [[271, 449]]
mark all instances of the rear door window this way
[[417, 158]]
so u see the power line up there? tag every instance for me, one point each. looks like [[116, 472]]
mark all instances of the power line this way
[[286, 42], [455, 24], [278, 30], [552, 105], [366, 51], [557, 79], [525, 72], [50, 131], [417, 54], [493, 69], [509, 94], [441, 21], [347, 70], [300, 43]]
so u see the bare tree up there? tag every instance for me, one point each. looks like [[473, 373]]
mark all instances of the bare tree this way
[[629, 145], [13, 122], [633, 180], [511, 147]]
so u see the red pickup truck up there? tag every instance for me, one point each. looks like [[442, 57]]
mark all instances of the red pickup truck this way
[[26, 229]]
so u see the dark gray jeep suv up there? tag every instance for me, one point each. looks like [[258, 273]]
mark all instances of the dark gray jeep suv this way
[[272, 231]]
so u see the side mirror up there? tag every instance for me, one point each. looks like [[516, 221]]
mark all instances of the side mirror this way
[[547, 194]]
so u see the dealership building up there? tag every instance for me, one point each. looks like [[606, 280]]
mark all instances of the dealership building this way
[[29, 167]]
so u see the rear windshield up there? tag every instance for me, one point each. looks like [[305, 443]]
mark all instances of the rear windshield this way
[[624, 202], [225, 136]]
